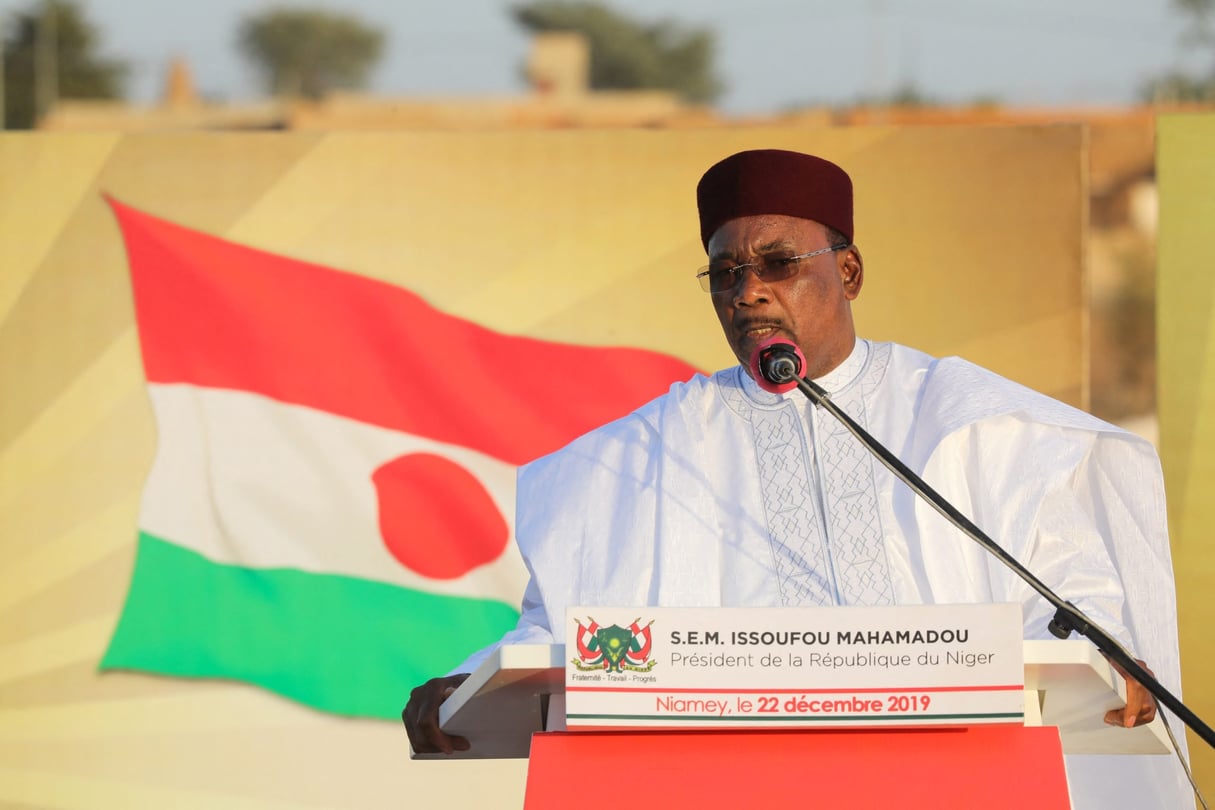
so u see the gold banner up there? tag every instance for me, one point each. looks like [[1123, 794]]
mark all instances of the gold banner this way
[[1185, 317], [973, 246]]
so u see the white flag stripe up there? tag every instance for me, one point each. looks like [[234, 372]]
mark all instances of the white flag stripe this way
[[247, 480]]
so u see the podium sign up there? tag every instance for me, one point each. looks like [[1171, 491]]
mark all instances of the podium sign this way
[[927, 665]]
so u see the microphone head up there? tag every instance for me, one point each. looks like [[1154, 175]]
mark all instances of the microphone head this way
[[776, 365]]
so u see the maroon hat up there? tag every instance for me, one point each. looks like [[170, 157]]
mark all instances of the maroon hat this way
[[774, 181]]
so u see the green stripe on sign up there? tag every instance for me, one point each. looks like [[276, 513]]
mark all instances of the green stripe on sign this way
[[337, 643]]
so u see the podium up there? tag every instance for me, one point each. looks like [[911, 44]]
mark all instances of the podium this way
[[513, 706]]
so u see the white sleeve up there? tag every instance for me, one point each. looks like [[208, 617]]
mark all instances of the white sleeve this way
[[532, 629]]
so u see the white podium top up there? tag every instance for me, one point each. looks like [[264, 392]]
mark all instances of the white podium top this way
[[504, 702], [1068, 684], [1075, 686]]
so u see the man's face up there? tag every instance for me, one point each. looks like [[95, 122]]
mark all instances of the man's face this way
[[811, 308]]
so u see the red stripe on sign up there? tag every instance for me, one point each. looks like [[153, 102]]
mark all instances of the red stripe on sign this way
[[1012, 687], [218, 314]]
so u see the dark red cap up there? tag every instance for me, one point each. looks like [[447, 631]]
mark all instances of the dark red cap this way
[[774, 181]]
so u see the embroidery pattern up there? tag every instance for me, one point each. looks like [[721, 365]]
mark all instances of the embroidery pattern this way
[[795, 532], [850, 490], [804, 557]]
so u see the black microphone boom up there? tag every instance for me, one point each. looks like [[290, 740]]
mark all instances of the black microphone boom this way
[[1068, 617]]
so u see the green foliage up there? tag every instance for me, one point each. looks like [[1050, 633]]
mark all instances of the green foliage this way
[[1201, 14], [1178, 87], [1197, 7], [629, 55], [1181, 87], [309, 52], [70, 69]]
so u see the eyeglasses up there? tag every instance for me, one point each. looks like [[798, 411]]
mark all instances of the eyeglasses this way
[[766, 268]]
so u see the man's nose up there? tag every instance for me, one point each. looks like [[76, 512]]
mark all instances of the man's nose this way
[[751, 289]]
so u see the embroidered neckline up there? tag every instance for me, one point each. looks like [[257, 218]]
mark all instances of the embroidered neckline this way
[[839, 379]]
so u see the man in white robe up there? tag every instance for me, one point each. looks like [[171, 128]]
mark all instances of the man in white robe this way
[[720, 493]]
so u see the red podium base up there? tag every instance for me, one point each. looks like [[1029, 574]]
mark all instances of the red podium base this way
[[992, 767]]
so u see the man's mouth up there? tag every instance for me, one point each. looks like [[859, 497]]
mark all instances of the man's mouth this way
[[758, 330]]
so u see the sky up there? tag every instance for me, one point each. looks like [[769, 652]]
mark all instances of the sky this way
[[772, 54]]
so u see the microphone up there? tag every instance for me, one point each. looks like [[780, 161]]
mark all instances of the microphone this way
[[776, 365]]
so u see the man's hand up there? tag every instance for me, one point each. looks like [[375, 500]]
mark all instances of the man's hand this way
[[421, 716], [1140, 707]]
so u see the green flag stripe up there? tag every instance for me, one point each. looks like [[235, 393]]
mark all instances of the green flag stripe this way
[[337, 643]]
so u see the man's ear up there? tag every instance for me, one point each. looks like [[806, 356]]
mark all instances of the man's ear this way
[[852, 272]]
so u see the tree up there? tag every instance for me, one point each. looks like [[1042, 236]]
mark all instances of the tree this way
[[629, 55], [1200, 10], [309, 52], [50, 53], [1178, 86]]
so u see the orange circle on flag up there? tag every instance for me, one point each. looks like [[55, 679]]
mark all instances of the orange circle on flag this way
[[436, 518]]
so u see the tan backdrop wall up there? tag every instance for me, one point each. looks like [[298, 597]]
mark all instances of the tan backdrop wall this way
[[972, 240], [1185, 315]]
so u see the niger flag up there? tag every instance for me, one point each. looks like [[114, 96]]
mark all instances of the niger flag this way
[[329, 511]]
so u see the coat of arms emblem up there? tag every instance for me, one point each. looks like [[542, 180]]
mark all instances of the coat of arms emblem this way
[[614, 648]]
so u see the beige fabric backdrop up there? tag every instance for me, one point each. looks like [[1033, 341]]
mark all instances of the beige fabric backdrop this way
[[973, 245], [1185, 315]]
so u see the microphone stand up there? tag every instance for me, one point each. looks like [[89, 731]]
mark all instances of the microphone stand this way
[[1067, 618]]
